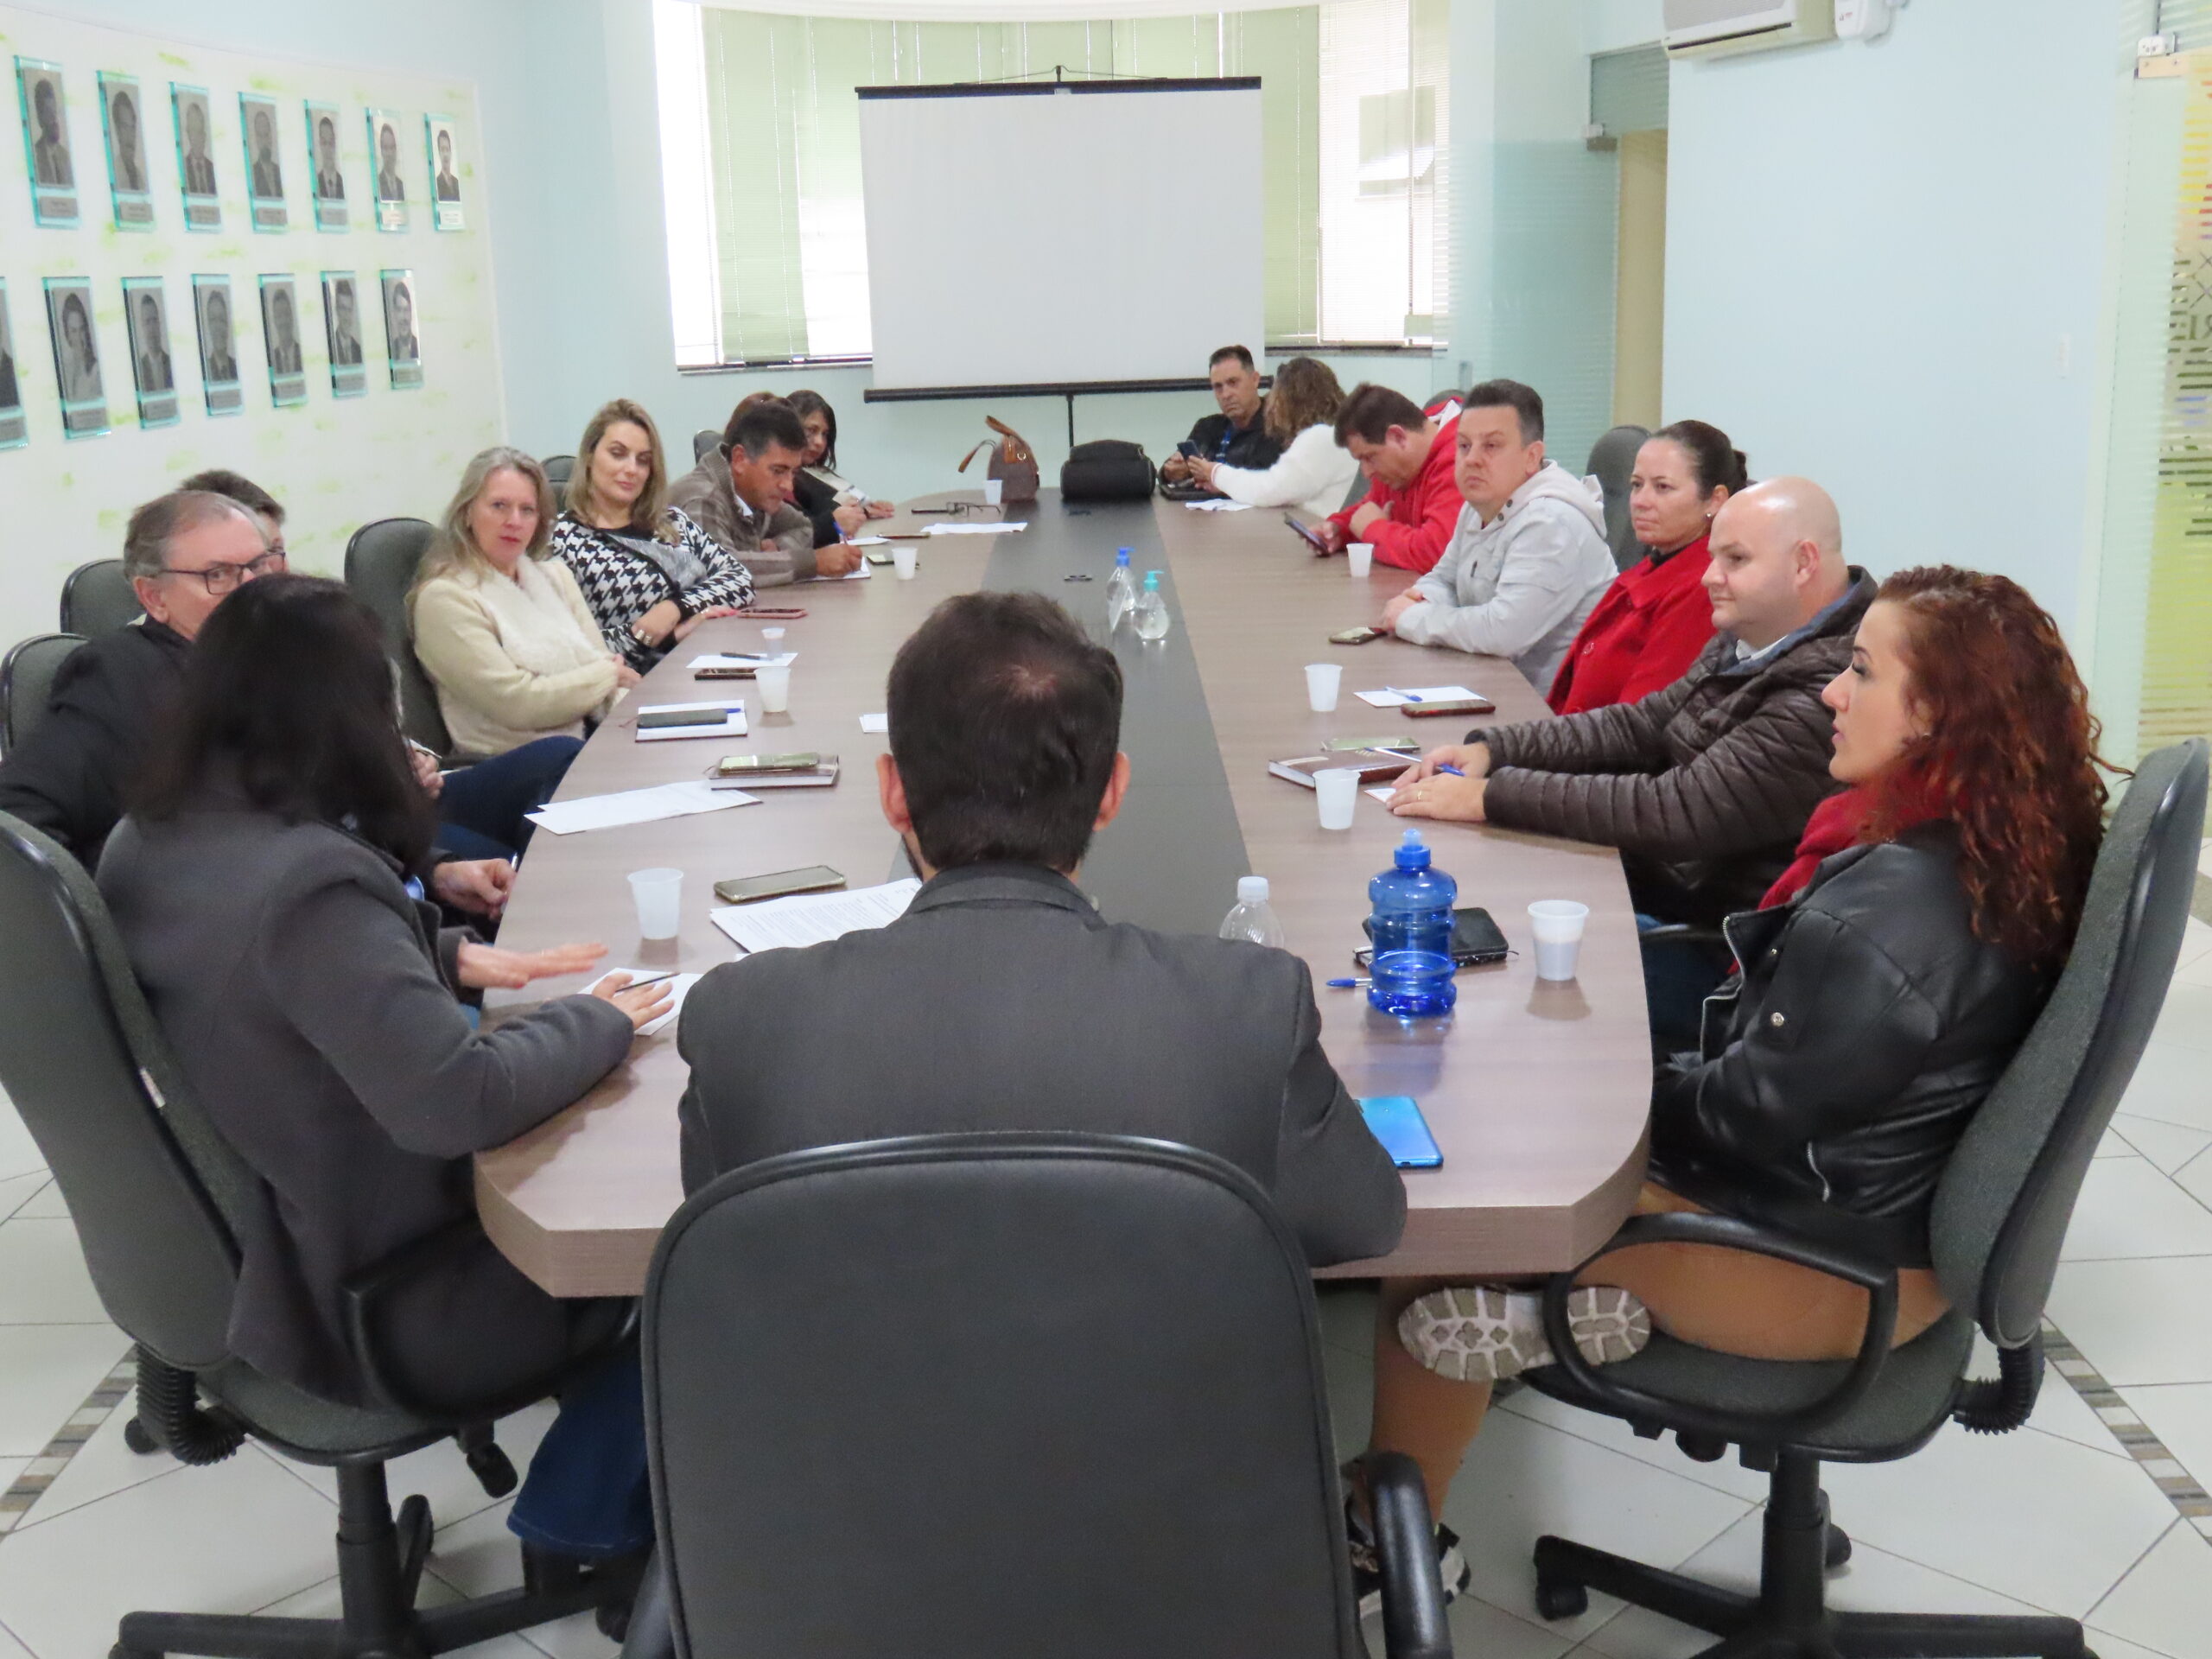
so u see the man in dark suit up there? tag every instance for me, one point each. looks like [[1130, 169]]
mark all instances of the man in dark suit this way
[[154, 373], [219, 364], [198, 166], [268, 176], [1002, 1000], [449, 187]]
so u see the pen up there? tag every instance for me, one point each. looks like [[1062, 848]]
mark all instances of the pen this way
[[1454, 771], [1408, 695], [1348, 984], [654, 979]]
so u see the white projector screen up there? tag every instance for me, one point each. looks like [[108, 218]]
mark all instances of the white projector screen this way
[[1028, 235]]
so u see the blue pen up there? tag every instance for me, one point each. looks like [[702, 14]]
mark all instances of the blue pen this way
[[1348, 984], [1408, 695], [1454, 771]]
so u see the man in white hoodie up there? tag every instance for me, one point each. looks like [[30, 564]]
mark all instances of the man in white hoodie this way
[[1528, 559]]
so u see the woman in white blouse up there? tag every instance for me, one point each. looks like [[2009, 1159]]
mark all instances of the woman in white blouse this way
[[1313, 474], [501, 629]]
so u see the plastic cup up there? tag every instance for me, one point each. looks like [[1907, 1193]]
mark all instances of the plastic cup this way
[[1559, 936], [1336, 792], [994, 492], [902, 561], [1360, 557], [775, 684], [1322, 680], [659, 894], [771, 634]]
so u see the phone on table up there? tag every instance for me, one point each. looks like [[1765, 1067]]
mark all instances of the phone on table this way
[[1358, 636], [1452, 705], [746, 889], [1396, 1121], [1409, 747], [877, 556], [1307, 533], [732, 766], [1475, 940], [772, 613]]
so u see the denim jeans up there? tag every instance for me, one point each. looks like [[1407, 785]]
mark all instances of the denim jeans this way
[[483, 808], [585, 1493]]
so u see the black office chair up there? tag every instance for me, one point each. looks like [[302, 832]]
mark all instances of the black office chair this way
[[97, 599], [1003, 1394], [27, 676], [2000, 1217], [1612, 457], [381, 560], [157, 1198], [704, 442], [558, 469]]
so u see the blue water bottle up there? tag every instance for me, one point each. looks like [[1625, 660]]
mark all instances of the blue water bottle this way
[[1411, 931]]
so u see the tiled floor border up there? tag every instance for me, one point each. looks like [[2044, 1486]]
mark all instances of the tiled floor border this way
[[69, 1440]]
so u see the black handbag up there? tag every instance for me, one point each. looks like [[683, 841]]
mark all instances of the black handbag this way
[[1108, 469]]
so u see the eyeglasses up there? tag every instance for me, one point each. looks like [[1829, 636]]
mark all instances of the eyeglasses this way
[[221, 579]]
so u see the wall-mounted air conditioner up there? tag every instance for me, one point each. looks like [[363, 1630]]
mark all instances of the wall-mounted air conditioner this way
[[1712, 28]]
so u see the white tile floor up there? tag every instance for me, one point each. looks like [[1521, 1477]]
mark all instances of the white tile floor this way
[[2057, 1517]]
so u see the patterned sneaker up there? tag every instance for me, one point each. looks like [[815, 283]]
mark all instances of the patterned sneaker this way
[[1477, 1333], [1452, 1569]]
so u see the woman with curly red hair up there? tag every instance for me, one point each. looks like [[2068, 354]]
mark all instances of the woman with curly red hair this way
[[1881, 989]]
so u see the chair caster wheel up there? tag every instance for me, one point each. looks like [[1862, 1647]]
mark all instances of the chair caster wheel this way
[[1838, 1549], [136, 1437], [1561, 1599]]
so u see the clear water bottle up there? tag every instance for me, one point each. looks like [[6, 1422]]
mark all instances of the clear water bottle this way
[[1253, 918], [1152, 609], [1121, 591], [1410, 927]]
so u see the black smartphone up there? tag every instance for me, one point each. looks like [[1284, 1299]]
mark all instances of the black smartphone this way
[[1186, 450], [1396, 1121], [745, 889], [1475, 940], [1307, 533], [1358, 636]]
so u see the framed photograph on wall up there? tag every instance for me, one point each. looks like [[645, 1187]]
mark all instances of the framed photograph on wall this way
[[45, 144], [122, 117], [402, 348], [329, 188], [14, 429], [76, 356], [219, 349], [279, 335], [146, 313], [341, 327], [264, 163], [196, 156], [445, 177], [384, 163]]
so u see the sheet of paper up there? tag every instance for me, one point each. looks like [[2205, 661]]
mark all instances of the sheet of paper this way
[[1222, 504], [637, 806], [719, 659], [1383, 792], [976, 530], [877, 723], [811, 918], [866, 541], [732, 723], [1388, 698], [678, 988]]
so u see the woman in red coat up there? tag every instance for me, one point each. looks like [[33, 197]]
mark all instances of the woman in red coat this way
[[1652, 622]]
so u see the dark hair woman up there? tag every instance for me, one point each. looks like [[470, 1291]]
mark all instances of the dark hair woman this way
[[260, 888], [1649, 625], [829, 501]]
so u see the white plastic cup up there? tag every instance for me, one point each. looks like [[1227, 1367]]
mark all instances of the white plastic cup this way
[[1322, 680], [1360, 557], [1559, 936], [1336, 792], [902, 561], [994, 492], [775, 683], [659, 894], [771, 634]]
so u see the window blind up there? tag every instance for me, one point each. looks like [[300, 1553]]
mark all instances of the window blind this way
[[1628, 90]]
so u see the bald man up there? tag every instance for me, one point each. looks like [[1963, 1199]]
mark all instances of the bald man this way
[[1704, 786]]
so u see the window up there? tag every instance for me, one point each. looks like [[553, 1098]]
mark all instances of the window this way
[[760, 153]]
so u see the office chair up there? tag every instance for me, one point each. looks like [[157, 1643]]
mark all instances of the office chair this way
[[1612, 457], [1003, 1394], [381, 560], [97, 599], [157, 1197], [558, 469], [704, 442], [2001, 1216], [26, 675]]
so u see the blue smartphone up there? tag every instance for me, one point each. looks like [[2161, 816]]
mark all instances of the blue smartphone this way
[[1396, 1121]]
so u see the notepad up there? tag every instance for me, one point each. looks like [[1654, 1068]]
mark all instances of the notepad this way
[[636, 806], [678, 988], [722, 718], [877, 723], [815, 918], [1389, 699]]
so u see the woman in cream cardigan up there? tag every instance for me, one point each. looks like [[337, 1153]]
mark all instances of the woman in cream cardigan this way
[[501, 629], [1313, 474]]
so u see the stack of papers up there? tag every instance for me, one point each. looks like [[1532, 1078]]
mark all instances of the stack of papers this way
[[636, 806], [1388, 698], [722, 718], [814, 918], [975, 529]]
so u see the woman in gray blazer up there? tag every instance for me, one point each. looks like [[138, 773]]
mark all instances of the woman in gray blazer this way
[[261, 889]]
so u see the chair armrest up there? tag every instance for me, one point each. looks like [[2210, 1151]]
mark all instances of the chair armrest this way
[[1680, 933], [1877, 1277], [1405, 1550]]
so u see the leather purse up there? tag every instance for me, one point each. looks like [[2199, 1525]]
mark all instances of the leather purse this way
[[1013, 463]]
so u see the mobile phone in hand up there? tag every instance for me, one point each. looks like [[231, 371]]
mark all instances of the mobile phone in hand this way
[[1187, 449]]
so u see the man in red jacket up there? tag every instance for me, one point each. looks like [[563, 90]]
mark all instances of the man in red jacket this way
[[1408, 513]]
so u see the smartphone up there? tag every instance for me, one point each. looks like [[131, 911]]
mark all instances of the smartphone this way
[[1475, 940], [745, 889], [1187, 448], [1396, 1121], [1406, 745], [1307, 533], [1358, 636], [661, 719], [772, 613], [877, 556], [732, 765], [1455, 706]]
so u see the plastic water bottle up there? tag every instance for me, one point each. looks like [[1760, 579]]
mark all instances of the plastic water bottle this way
[[1121, 591], [1411, 925], [1152, 609], [1253, 918]]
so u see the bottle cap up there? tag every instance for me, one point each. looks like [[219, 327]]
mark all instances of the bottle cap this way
[[1412, 852], [1251, 889], [1151, 581], [1121, 556]]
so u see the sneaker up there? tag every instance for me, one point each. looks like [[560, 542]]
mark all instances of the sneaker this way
[[1477, 1333], [1453, 1572]]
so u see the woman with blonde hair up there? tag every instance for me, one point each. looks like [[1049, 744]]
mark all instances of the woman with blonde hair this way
[[1314, 474], [501, 629], [648, 573]]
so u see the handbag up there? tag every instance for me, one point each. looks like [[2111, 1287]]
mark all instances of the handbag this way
[[1013, 463], [1107, 469]]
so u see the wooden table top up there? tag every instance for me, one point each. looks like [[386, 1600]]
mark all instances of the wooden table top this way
[[1536, 1093]]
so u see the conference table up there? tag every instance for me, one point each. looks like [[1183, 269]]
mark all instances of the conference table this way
[[1536, 1092]]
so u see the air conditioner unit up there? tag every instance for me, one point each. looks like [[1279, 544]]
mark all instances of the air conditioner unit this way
[[1712, 28]]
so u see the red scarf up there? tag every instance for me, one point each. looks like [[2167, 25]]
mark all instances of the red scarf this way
[[1837, 824]]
